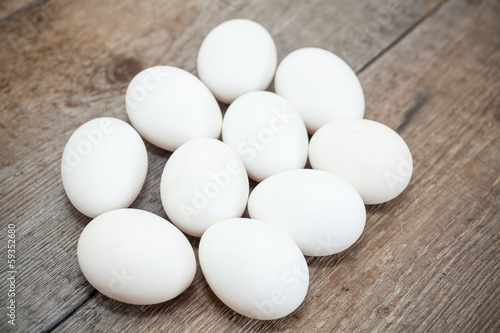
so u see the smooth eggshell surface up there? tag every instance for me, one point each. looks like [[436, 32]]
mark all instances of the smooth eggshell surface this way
[[370, 156], [237, 57], [321, 85], [169, 106], [104, 166], [203, 182], [254, 268], [267, 132], [321, 212], [136, 257]]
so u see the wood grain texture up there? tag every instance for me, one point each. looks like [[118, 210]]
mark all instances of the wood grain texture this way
[[428, 261], [76, 63], [9, 8]]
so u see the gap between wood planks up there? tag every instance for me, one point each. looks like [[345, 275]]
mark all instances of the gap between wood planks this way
[[402, 36], [67, 313]]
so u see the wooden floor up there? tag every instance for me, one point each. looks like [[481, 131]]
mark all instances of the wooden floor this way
[[428, 261]]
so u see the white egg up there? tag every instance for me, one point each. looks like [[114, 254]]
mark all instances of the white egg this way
[[372, 157], [254, 268], [169, 106], [267, 132], [321, 212], [136, 257], [237, 57], [104, 166], [321, 85], [203, 182]]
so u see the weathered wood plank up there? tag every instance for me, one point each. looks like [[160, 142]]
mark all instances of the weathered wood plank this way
[[97, 57], [75, 63], [428, 261]]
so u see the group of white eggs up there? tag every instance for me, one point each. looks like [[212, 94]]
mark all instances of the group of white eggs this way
[[255, 266]]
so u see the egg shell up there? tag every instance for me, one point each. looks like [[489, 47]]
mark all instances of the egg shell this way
[[104, 166], [203, 182], [169, 106], [321, 85], [370, 156], [321, 212], [254, 268], [237, 57], [267, 132], [136, 257]]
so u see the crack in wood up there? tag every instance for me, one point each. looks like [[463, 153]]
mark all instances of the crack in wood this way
[[419, 102]]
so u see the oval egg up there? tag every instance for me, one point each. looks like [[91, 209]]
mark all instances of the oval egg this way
[[136, 257], [203, 182], [104, 166], [321, 212], [370, 156], [254, 268], [237, 57], [169, 106], [267, 132], [321, 86]]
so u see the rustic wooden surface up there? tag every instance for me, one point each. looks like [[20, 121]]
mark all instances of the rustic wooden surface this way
[[428, 261]]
